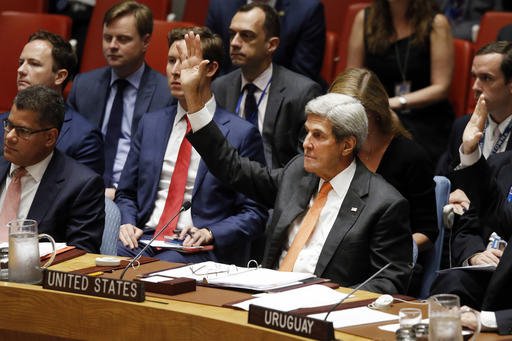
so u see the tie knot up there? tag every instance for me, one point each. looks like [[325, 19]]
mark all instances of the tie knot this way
[[326, 187], [121, 84], [250, 88], [18, 173]]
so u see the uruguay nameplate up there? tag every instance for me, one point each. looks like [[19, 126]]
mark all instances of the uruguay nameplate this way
[[94, 286], [291, 323]]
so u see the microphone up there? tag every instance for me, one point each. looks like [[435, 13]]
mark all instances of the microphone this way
[[185, 206], [355, 289]]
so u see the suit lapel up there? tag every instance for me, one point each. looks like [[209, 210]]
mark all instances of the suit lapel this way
[[232, 91], [144, 95], [65, 127], [50, 186], [102, 90], [160, 139], [275, 99], [221, 121], [4, 170], [351, 208]]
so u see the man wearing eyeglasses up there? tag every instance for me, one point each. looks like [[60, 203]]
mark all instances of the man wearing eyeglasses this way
[[39, 182]]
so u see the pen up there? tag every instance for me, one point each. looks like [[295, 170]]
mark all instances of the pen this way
[[97, 273]]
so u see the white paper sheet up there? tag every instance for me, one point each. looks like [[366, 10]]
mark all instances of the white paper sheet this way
[[305, 297], [355, 316]]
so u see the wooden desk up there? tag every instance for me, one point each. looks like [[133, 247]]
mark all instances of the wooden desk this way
[[32, 313]]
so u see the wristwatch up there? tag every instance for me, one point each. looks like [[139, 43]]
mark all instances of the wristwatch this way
[[403, 102]]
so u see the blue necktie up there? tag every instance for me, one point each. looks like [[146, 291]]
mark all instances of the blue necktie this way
[[114, 131], [250, 107]]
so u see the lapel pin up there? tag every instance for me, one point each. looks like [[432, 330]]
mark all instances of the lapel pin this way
[[353, 209]]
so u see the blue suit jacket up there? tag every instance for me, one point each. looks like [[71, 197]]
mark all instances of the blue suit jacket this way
[[69, 204], [90, 92], [302, 32], [78, 139], [233, 219]]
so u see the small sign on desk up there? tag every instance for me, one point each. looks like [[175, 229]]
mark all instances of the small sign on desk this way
[[291, 323], [94, 286]]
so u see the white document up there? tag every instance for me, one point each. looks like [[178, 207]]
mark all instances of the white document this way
[[236, 277], [395, 326], [166, 245], [314, 295], [355, 316]]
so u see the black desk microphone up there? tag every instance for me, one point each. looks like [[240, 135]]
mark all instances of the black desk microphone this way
[[186, 205]]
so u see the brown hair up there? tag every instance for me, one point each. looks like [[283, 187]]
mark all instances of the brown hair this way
[[142, 13], [379, 24], [365, 86], [500, 47]]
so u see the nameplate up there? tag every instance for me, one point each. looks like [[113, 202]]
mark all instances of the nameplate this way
[[291, 323], [94, 286]]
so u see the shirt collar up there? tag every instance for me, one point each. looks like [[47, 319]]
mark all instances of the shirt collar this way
[[133, 79], [341, 182], [36, 171], [211, 106], [262, 80]]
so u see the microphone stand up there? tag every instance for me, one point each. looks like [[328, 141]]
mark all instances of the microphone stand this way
[[356, 289], [186, 205]]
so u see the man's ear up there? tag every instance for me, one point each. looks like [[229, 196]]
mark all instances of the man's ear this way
[[348, 145], [211, 69], [146, 40], [52, 136], [61, 76], [273, 44]]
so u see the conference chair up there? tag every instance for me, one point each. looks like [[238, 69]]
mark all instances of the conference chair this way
[[15, 28], [92, 56], [34, 6], [461, 78], [111, 231], [432, 257], [335, 11], [349, 16], [196, 11], [156, 55], [331, 56]]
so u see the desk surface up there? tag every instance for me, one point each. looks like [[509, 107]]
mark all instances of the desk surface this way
[[33, 313]]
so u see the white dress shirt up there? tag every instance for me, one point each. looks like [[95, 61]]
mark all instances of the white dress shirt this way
[[493, 131], [29, 185]]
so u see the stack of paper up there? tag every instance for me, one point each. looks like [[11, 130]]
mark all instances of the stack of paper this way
[[259, 279]]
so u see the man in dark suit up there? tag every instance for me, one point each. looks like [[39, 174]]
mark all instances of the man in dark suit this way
[[483, 290], [219, 216], [357, 222], [302, 32], [493, 78], [62, 195], [280, 94], [49, 60], [127, 28], [505, 33]]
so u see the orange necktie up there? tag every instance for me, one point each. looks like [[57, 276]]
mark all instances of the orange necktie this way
[[306, 228], [11, 202]]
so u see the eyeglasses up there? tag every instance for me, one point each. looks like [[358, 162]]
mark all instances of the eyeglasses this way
[[21, 132]]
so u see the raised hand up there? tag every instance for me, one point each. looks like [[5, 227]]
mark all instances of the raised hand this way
[[192, 69], [475, 127]]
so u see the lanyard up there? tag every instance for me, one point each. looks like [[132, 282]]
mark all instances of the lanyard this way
[[238, 103], [501, 139]]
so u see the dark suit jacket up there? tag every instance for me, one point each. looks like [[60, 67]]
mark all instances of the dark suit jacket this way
[[492, 185], [283, 127], [90, 91], [233, 219], [69, 204], [372, 227], [78, 139], [302, 32], [505, 33], [450, 159]]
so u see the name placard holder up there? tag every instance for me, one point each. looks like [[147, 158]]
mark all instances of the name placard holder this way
[[94, 286], [291, 323]]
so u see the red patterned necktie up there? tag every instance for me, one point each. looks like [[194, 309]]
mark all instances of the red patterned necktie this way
[[11, 202]]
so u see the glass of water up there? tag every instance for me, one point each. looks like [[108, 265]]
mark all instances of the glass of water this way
[[408, 317]]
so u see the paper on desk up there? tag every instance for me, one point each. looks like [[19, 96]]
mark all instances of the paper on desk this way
[[355, 316], [166, 245], [395, 326], [305, 297], [236, 277], [45, 248], [482, 267]]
